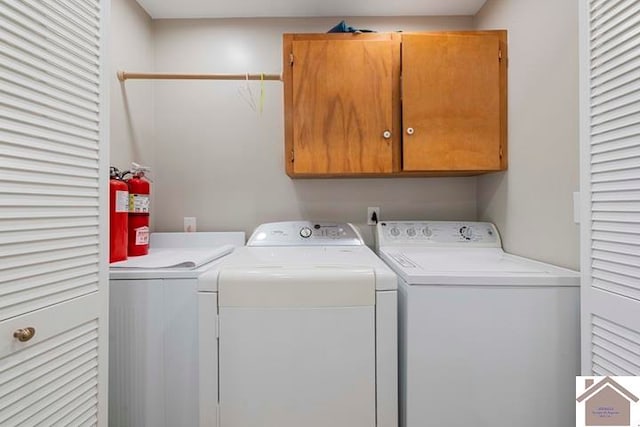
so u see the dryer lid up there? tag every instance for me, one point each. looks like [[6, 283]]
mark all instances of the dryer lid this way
[[311, 258]]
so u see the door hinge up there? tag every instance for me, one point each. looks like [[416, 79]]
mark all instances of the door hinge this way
[[291, 59]]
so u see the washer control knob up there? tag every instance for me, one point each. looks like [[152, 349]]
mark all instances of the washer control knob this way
[[305, 232], [411, 232], [395, 231], [427, 232]]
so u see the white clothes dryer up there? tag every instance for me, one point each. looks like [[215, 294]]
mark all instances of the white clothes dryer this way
[[153, 328], [307, 318], [486, 338]]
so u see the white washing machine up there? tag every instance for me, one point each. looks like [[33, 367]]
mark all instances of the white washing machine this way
[[486, 339], [307, 332], [153, 329]]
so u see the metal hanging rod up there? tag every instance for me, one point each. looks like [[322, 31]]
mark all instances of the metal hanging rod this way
[[124, 75]]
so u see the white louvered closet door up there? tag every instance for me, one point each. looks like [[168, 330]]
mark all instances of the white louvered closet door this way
[[53, 207], [610, 179]]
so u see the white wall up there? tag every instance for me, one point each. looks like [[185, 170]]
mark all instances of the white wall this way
[[131, 49], [223, 163], [531, 203], [216, 159]]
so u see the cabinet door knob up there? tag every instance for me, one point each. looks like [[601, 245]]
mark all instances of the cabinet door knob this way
[[386, 134], [410, 131], [24, 335]]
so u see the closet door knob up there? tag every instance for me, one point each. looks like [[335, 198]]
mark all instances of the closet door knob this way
[[24, 335], [410, 131], [386, 134]]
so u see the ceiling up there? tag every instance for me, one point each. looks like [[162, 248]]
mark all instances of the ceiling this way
[[160, 9]]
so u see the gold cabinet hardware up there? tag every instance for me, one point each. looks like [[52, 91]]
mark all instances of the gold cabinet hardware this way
[[24, 335]]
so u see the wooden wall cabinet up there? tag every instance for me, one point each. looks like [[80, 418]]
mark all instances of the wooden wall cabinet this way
[[342, 104], [395, 104]]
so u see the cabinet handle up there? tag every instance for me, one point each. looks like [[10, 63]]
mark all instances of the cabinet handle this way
[[386, 134], [410, 131], [24, 335]]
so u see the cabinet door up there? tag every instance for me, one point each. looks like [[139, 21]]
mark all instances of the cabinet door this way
[[610, 184], [52, 379], [341, 104], [53, 206], [454, 101]]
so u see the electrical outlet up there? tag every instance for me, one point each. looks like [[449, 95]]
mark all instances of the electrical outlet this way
[[189, 224], [373, 216]]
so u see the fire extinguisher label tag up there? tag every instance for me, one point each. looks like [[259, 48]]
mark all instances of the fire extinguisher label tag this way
[[142, 236], [122, 201], [139, 203]]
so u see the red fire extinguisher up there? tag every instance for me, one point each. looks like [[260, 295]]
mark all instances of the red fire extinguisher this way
[[139, 193], [118, 216]]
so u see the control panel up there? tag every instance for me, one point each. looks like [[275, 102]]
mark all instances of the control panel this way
[[437, 233], [305, 233]]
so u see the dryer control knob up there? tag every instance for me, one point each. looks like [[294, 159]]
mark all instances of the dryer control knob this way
[[395, 232], [305, 232], [466, 232]]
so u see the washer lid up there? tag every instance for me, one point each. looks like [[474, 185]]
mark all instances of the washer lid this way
[[473, 266]]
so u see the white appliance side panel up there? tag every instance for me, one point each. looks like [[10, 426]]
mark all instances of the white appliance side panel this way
[[387, 358], [208, 358], [180, 330], [292, 367], [153, 369], [136, 374], [491, 356], [403, 311]]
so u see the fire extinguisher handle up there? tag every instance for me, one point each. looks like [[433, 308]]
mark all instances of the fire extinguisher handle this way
[[140, 171]]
